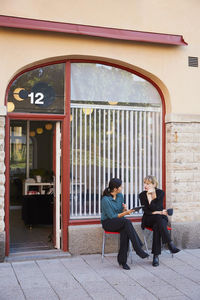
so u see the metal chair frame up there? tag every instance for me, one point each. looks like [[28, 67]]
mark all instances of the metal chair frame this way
[[150, 234], [105, 233]]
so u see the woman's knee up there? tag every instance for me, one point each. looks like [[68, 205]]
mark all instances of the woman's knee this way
[[158, 219], [159, 223], [128, 223]]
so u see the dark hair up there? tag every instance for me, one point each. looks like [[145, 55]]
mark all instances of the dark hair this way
[[114, 183]]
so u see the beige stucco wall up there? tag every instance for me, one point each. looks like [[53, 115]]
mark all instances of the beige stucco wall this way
[[25, 48], [168, 63], [172, 16]]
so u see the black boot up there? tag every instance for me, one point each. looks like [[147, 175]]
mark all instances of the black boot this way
[[155, 262], [173, 248], [142, 254], [125, 266]]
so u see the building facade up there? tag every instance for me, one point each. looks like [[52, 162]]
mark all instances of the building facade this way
[[89, 93]]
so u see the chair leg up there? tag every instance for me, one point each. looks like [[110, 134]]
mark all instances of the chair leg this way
[[131, 251], [170, 232], [145, 242], [103, 246], [146, 239]]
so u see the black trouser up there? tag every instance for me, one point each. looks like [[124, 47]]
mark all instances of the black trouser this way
[[159, 225], [125, 227]]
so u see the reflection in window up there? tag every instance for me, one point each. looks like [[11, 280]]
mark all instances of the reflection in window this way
[[116, 125], [38, 91], [18, 148], [106, 84]]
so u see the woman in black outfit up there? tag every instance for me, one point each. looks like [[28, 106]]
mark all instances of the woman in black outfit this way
[[155, 217], [113, 219]]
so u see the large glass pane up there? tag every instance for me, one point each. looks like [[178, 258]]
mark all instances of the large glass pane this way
[[18, 147], [106, 84], [116, 123], [108, 143], [38, 91]]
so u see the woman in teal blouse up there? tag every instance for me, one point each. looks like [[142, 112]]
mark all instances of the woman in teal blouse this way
[[113, 219]]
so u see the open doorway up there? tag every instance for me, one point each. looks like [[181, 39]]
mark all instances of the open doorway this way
[[31, 185]]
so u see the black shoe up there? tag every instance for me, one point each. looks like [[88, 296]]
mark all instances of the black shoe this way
[[173, 248], [143, 254], [155, 262], [125, 266]]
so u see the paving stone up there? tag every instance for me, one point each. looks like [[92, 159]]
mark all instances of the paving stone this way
[[86, 277], [187, 287], [7, 276], [10, 293], [101, 287], [56, 273], [81, 270], [115, 279], [193, 252], [191, 260], [134, 291], [193, 275], [168, 277], [40, 293], [61, 280], [73, 294], [164, 290], [175, 298], [108, 295], [29, 275]]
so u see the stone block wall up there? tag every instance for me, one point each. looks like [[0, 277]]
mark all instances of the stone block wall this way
[[87, 239], [2, 188], [183, 170]]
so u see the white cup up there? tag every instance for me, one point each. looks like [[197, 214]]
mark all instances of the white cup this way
[[38, 178]]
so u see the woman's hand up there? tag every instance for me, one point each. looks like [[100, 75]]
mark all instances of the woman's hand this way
[[151, 193], [130, 211], [124, 206], [160, 212], [126, 212], [151, 190]]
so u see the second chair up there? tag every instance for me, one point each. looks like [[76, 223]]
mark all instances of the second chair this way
[[147, 238]]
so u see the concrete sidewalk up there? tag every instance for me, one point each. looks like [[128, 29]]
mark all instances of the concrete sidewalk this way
[[86, 277]]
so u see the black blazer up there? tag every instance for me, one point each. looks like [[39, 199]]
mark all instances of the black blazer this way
[[156, 204]]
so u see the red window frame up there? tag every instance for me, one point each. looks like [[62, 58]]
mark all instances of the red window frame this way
[[65, 165]]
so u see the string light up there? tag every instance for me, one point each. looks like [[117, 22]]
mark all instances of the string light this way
[[32, 133], [39, 130], [48, 126]]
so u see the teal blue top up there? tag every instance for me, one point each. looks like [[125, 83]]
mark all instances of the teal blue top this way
[[110, 208]]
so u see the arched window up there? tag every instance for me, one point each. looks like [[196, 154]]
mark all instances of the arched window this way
[[116, 125], [38, 91]]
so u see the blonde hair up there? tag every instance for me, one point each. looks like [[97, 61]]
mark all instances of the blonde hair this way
[[151, 179]]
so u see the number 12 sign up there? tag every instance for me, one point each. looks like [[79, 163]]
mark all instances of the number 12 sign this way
[[36, 98]]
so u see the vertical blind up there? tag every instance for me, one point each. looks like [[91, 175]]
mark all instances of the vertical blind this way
[[112, 141]]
